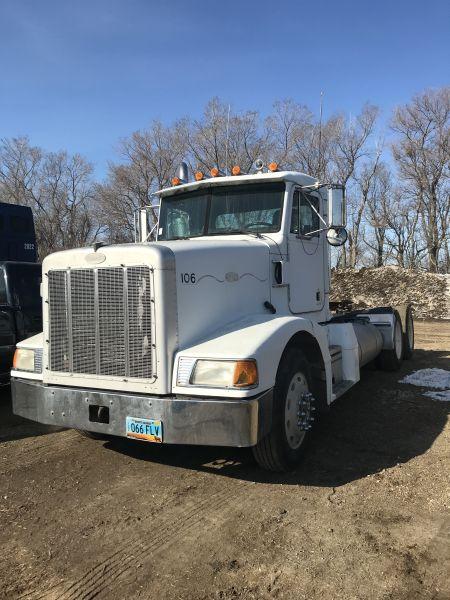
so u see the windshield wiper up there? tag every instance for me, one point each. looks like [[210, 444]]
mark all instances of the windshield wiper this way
[[244, 231]]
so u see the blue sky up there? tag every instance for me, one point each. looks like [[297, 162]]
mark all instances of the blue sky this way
[[79, 74]]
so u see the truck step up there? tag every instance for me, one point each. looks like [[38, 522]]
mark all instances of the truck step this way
[[341, 387]]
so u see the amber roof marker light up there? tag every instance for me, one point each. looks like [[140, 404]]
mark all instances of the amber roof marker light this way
[[198, 175], [236, 170], [273, 167], [215, 172], [176, 181]]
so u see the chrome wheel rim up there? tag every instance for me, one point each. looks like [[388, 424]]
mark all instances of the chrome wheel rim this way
[[298, 409]]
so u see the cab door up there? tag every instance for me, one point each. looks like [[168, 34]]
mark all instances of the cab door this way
[[306, 253]]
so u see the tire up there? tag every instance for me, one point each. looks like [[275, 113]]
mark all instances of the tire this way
[[408, 335], [282, 448], [390, 360], [93, 435]]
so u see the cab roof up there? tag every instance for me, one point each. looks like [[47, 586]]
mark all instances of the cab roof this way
[[288, 176]]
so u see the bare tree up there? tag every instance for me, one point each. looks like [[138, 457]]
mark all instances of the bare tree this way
[[289, 124], [421, 152], [19, 170], [58, 187], [378, 198], [400, 216], [150, 160], [365, 184], [222, 138]]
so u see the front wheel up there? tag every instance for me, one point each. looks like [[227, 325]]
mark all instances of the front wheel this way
[[292, 415]]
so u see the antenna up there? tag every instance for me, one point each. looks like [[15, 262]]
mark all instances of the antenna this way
[[227, 171], [320, 174]]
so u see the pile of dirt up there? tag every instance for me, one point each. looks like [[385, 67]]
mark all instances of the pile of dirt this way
[[391, 286]]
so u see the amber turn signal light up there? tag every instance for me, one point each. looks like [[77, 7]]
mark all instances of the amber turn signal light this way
[[198, 176], [273, 166], [236, 170], [245, 373]]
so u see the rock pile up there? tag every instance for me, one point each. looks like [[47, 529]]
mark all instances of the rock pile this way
[[390, 286]]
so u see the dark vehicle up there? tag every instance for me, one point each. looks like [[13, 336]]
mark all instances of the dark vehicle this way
[[20, 308], [17, 235]]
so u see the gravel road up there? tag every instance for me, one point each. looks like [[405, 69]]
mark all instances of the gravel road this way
[[364, 516]]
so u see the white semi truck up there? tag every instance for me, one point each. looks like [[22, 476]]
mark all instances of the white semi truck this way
[[217, 333]]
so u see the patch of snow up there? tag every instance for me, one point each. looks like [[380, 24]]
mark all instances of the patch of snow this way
[[443, 396], [433, 378], [439, 379]]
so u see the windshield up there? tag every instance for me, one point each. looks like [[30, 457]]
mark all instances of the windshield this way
[[251, 208]]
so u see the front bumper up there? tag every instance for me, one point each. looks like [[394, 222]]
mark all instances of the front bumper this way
[[186, 420]]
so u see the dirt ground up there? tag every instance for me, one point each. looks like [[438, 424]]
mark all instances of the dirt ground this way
[[364, 516]]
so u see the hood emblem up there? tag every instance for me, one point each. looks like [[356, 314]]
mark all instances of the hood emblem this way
[[95, 258], [231, 277]]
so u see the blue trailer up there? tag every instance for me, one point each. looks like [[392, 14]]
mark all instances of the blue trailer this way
[[17, 235], [20, 278]]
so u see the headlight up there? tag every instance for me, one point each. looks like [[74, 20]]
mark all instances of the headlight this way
[[24, 360], [218, 373]]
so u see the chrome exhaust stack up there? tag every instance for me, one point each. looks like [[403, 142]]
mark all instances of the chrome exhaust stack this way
[[183, 173]]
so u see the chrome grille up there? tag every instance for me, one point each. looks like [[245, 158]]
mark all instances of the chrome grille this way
[[101, 322], [82, 303], [58, 331], [139, 322], [111, 321]]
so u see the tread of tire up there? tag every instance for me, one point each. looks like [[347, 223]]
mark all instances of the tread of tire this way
[[265, 456], [265, 452]]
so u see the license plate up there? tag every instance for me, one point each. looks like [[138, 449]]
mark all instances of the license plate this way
[[149, 430]]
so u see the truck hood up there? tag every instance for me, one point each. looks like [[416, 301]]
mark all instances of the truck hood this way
[[218, 281]]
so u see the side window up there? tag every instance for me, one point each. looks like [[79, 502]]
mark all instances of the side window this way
[[309, 219], [303, 218]]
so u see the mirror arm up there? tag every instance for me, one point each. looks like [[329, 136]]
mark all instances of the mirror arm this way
[[316, 231], [319, 215], [314, 186]]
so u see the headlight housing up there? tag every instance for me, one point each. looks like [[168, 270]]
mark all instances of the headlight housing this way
[[27, 359], [239, 374]]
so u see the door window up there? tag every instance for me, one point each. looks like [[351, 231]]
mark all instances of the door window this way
[[304, 219]]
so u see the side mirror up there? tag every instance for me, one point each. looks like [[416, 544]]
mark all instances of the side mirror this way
[[337, 236], [336, 206]]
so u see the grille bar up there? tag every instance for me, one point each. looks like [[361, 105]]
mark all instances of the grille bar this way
[[101, 321]]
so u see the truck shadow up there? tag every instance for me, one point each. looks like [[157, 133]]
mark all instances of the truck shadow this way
[[13, 427], [377, 425]]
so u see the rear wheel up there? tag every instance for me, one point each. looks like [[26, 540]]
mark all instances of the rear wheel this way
[[292, 415], [391, 359], [408, 335]]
